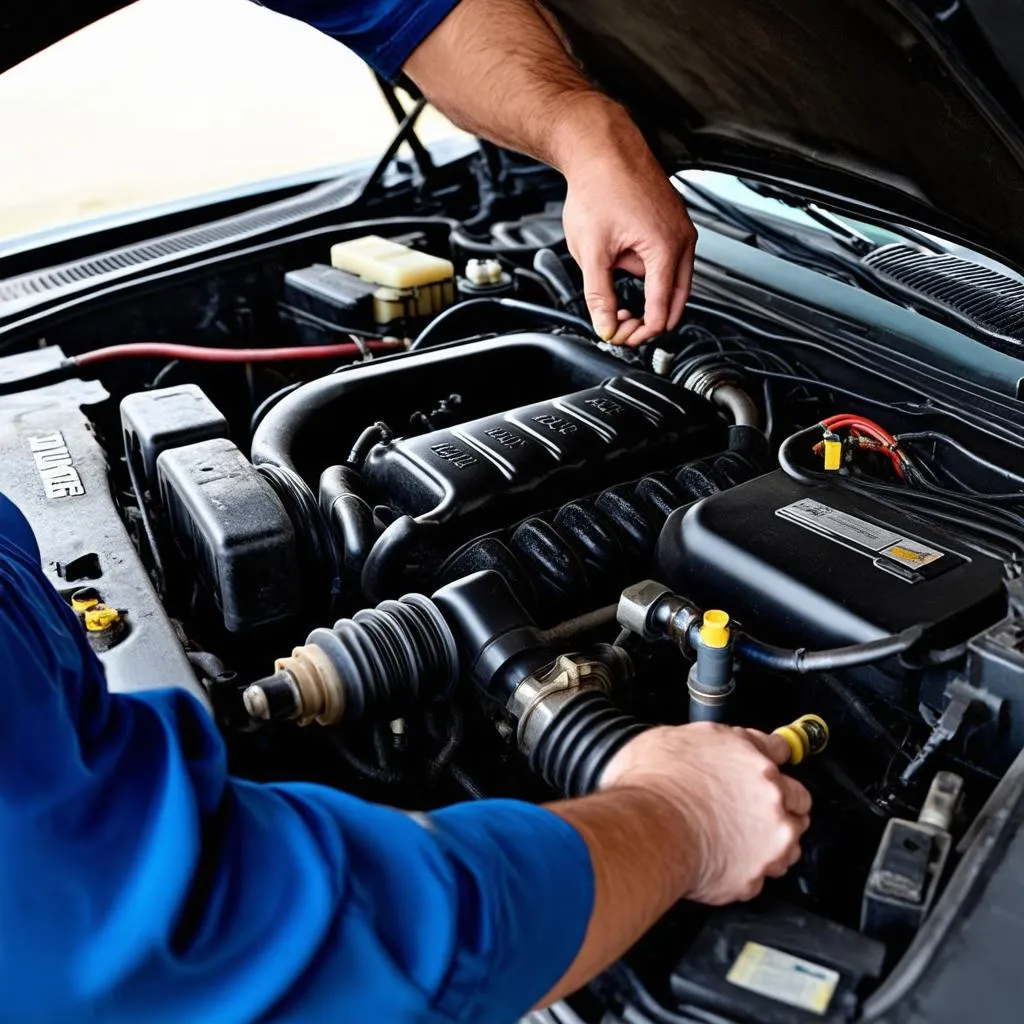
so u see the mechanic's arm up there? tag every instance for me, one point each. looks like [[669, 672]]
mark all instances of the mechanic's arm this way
[[499, 69], [699, 812], [138, 880]]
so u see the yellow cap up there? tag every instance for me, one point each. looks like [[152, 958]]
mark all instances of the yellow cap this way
[[797, 742], [807, 735], [100, 618], [833, 454], [89, 599], [714, 632], [815, 728]]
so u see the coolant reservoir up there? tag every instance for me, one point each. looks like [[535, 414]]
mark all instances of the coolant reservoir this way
[[412, 283]]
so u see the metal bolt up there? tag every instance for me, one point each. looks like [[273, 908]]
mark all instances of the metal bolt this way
[[255, 700]]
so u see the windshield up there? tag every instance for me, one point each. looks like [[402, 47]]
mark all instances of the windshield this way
[[172, 99]]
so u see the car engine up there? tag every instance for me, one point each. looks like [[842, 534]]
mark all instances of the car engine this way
[[483, 550]]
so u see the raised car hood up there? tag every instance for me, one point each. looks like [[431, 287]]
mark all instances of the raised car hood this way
[[915, 107], [883, 101]]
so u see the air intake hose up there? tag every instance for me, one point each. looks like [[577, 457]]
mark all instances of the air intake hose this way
[[565, 723]]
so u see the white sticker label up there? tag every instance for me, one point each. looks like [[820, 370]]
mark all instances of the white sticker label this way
[[826, 519], [788, 979], [891, 548]]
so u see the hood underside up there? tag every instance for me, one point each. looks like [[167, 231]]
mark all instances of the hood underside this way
[[867, 99], [910, 107]]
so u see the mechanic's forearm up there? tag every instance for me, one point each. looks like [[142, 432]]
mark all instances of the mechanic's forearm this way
[[498, 69], [644, 861]]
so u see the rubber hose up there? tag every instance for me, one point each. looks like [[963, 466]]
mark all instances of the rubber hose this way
[[319, 558], [375, 433], [802, 661], [390, 656], [387, 557], [806, 438], [550, 267], [583, 737]]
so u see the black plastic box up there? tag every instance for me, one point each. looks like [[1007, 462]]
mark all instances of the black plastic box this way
[[155, 421], [771, 963], [822, 567], [332, 295], [226, 517]]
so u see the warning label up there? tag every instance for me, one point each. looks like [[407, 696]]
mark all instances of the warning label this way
[[888, 549], [788, 979], [830, 520]]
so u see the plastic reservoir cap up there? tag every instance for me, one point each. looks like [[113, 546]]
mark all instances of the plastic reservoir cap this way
[[714, 631], [381, 261]]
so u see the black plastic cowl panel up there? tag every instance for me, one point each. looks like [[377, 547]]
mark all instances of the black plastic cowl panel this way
[[978, 297]]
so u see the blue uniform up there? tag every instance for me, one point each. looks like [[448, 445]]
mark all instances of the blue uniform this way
[[139, 881], [384, 33]]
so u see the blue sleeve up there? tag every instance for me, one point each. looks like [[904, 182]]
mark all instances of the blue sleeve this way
[[383, 33], [139, 881]]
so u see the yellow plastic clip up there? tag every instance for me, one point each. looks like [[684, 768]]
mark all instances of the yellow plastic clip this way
[[101, 618], [833, 453], [84, 599], [714, 631], [807, 736]]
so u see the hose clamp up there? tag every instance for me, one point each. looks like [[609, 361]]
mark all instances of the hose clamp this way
[[538, 699]]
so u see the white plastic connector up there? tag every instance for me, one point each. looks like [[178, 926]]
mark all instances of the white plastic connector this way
[[486, 271]]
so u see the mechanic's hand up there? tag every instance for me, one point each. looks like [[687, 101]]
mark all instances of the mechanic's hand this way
[[622, 212], [745, 818]]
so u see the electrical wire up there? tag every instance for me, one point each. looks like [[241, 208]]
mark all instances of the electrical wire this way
[[1002, 528], [961, 413], [165, 372], [915, 437], [424, 338]]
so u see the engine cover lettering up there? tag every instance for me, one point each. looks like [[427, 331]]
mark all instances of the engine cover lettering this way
[[536, 456], [506, 438], [458, 457], [558, 424]]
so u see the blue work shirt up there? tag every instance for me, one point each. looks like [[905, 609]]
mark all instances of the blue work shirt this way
[[140, 882], [384, 33]]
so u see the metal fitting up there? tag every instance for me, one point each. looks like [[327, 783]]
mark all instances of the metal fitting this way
[[651, 611], [305, 687], [538, 699], [720, 385]]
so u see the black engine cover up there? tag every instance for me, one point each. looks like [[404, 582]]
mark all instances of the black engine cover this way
[[555, 449], [821, 567]]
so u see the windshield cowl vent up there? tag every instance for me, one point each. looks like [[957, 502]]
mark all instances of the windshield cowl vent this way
[[18, 294], [979, 298]]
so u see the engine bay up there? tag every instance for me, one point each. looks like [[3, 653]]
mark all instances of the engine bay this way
[[483, 551]]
